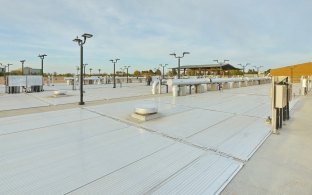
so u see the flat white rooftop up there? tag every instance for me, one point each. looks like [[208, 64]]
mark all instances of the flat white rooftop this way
[[197, 145]]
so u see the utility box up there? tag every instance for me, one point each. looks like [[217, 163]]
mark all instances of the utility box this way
[[280, 96]]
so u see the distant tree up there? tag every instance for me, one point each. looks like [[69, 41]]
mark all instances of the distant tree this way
[[174, 72], [150, 72], [144, 72], [158, 72], [136, 73], [68, 74], [16, 72], [252, 71], [267, 72]]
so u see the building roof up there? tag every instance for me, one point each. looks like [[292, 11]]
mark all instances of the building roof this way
[[209, 66], [296, 70]]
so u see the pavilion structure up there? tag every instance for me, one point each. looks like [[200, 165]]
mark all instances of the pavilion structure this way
[[206, 69]]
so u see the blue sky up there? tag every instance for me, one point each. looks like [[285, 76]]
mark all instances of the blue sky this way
[[142, 33]]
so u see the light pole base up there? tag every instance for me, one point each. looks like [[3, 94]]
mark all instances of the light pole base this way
[[81, 103]]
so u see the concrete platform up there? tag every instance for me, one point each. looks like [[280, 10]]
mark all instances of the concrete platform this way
[[283, 163]]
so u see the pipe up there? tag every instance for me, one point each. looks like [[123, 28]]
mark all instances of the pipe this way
[[154, 87]]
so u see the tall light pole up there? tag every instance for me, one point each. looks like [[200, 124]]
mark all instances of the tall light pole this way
[[9, 68], [77, 68], [244, 66], [127, 67], [122, 71], [90, 71], [258, 67], [99, 71], [84, 69], [163, 72], [179, 57], [41, 56], [22, 61], [81, 42], [114, 76]]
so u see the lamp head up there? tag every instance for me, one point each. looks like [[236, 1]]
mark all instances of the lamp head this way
[[22, 61], [42, 56], [186, 53], [173, 54], [87, 35], [117, 59], [77, 40]]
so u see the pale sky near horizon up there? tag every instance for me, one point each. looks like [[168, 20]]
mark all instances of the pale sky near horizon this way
[[142, 33]]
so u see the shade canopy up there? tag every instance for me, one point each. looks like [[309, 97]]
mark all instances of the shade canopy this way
[[209, 66]]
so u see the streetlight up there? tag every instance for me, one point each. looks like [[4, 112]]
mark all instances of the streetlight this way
[[90, 71], [179, 57], [114, 62], [81, 43], [127, 67], [77, 68], [4, 68], [99, 71], [9, 68], [84, 69], [41, 56], [163, 72], [244, 66], [221, 62], [258, 67], [22, 66]]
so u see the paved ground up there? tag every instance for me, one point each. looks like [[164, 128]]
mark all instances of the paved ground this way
[[283, 164]]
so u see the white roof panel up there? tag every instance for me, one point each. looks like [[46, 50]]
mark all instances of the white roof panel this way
[[58, 160], [238, 136], [208, 175], [44, 119], [143, 175]]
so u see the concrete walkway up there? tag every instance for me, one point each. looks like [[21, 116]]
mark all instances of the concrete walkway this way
[[283, 164]]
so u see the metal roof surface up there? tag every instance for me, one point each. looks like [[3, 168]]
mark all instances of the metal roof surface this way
[[196, 147]]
